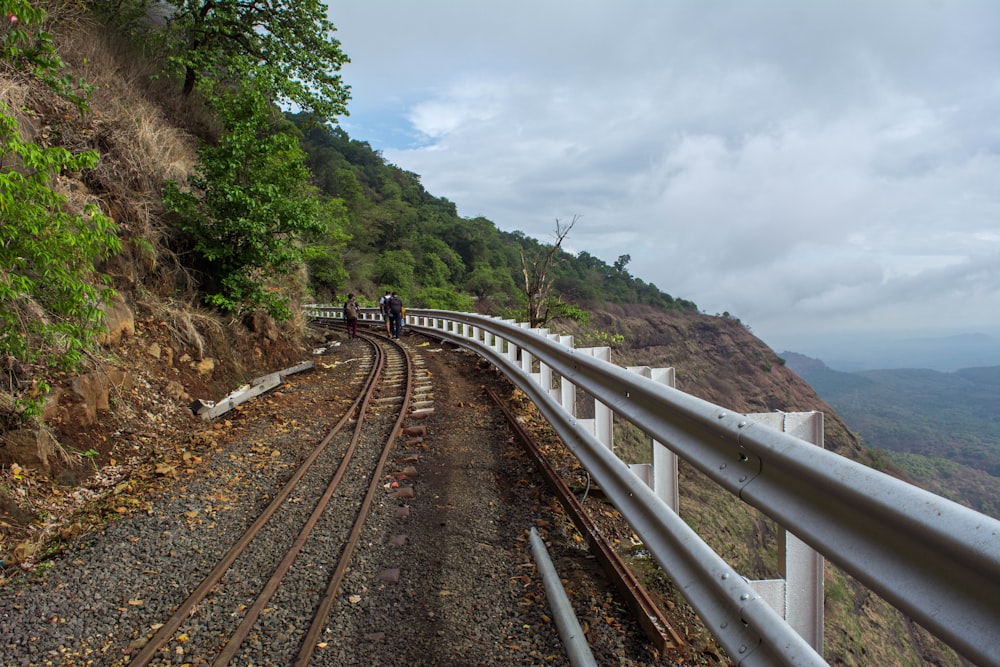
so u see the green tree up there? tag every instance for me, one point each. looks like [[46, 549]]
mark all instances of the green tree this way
[[395, 269], [440, 298], [249, 204], [47, 255], [324, 251], [285, 47], [488, 282]]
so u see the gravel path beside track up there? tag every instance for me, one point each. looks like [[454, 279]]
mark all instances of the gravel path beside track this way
[[443, 578]]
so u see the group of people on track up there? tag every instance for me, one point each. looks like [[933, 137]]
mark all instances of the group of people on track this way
[[391, 307]]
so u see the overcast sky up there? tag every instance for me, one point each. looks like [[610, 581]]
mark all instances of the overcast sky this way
[[811, 167]]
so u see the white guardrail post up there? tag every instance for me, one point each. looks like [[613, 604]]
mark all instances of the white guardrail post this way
[[798, 597], [600, 425], [936, 561], [661, 474]]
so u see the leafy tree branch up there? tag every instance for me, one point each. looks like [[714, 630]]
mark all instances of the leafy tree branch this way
[[286, 48], [248, 206]]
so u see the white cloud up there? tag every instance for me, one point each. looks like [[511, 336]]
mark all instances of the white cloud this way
[[829, 165]]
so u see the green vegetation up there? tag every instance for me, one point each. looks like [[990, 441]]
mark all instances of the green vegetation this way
[[946, 415], [403, 238], [940, 428], [249, 213], [50, 293], [285, 48], [950, 479], [249, 202], [25, 44]]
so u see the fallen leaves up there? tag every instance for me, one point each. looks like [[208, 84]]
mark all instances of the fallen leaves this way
[[165, 470]]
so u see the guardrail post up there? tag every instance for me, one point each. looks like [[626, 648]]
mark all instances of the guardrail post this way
[[495, 342], [799, 596], [544, 375], [511, 352], [525, 355], [567, 390], [601, 425], [660, 475]]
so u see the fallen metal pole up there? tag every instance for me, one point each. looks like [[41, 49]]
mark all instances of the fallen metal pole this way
[[577, 647], [649, 616]]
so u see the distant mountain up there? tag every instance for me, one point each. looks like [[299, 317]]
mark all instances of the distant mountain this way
[[953, 416], [943, 353]]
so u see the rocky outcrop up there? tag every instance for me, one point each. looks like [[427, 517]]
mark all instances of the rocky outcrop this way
[[87, 395], [119, 322], [29, 448]]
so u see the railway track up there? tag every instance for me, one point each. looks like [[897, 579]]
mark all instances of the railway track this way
[[242, 564], [240, 602]]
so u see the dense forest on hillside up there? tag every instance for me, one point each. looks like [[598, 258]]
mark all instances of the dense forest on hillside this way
[[951, 415], [399, 236], [942, 428]]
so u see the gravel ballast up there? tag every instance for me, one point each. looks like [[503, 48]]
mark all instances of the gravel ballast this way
[[444, 577]]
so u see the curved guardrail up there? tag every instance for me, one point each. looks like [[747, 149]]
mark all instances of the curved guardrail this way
[[935, 560]]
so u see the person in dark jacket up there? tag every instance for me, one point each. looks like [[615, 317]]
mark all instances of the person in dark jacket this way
[[395, 315]]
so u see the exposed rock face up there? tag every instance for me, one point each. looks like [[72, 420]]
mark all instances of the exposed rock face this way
[[29, 448], [79, 402], [119, 321], [90, 393]]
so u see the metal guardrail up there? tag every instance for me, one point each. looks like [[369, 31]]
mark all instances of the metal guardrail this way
[[935, 560]]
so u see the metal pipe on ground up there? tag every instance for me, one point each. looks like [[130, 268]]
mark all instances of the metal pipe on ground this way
[[577, 648]]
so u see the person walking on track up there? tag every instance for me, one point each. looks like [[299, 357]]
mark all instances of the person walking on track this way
[[395, 315], [351, 313], [383, 306]]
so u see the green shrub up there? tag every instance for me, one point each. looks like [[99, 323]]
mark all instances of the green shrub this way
[[249, 204], [50, 294], [440, 298]]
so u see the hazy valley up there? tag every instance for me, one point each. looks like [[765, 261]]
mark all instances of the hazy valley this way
[[941, 428]]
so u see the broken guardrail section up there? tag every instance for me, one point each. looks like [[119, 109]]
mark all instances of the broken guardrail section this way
[[208, 410]]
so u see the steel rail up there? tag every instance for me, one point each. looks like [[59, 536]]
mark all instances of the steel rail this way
[[649, 616], [271, 587], [311, 639], [170, 627]]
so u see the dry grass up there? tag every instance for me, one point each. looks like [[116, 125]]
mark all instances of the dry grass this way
[[140, 149], [14, 96]]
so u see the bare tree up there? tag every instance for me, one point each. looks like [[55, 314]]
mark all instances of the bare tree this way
[[538, 278]]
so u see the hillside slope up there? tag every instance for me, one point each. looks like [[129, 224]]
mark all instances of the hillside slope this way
[[164, 349]]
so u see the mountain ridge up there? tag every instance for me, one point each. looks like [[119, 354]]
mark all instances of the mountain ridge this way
[[916, 416], [876, 352]]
